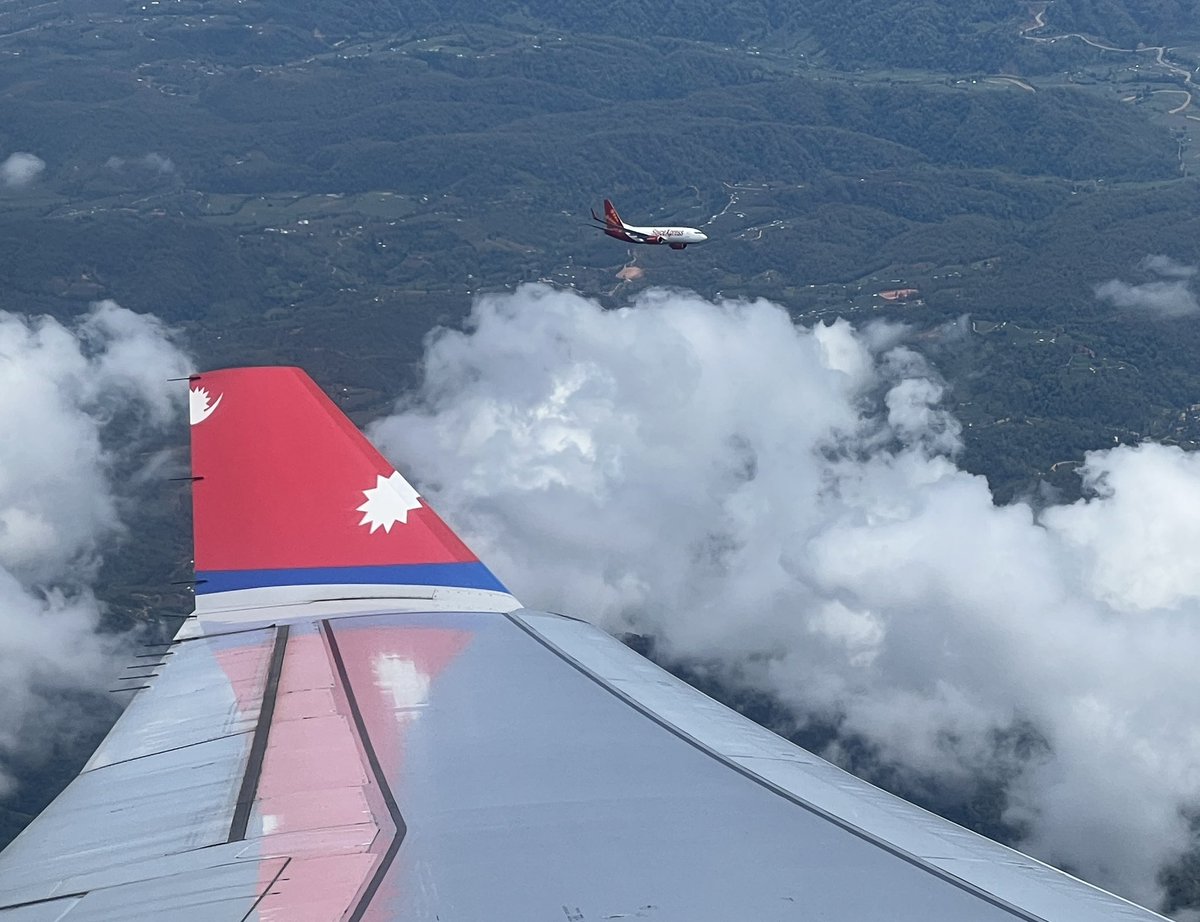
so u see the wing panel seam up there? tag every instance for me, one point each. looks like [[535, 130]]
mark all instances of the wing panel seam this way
[[162, 752], [258, 747], [46, 899], [176, 641], [360, 725], [267, 889]]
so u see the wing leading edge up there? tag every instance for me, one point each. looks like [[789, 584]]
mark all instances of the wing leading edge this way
[[391, 745]]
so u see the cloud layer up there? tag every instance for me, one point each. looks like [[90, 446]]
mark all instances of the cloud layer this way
[[153, 161], [1170, 295], [21, 169], [784, 500], [62, 390]]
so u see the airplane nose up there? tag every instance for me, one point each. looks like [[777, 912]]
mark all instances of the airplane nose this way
[[701, 236]]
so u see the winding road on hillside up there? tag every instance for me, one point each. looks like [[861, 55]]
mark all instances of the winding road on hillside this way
[[1160, 53]]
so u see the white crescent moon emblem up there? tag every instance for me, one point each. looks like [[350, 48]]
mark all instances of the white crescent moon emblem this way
[[199, 407]]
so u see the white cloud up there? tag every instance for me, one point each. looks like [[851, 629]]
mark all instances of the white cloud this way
[[60, 387], [21, 169], [158, 163], [1169, 296], [1167, 299], [784, 500], [152, 161], [1167, 267]]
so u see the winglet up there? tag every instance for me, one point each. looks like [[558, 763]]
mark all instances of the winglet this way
[[292, 504]]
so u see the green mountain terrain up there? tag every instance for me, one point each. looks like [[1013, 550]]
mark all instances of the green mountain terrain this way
[[356, 171]]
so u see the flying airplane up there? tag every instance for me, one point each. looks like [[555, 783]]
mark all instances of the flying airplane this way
[[677, 238], [360, 722]]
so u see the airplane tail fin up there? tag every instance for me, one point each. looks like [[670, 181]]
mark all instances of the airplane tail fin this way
[[610, 214], [292, 504]]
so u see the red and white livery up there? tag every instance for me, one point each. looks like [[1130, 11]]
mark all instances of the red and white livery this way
[[677, 238]]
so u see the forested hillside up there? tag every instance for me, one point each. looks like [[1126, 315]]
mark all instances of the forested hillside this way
[[388, 159], [1129, 22]]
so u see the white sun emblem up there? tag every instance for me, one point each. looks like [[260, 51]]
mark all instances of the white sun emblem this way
[[388, 502], [198, 404]]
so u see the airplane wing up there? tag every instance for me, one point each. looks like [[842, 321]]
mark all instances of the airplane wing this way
[[359, 722], [625, 232], [612, 223], [637, 236], [618, 229]]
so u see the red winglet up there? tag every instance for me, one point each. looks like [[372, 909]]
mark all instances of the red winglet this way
[[288, 492]]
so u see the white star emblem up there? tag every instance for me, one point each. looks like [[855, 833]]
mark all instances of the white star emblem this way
[[388, 502], [199, 408]]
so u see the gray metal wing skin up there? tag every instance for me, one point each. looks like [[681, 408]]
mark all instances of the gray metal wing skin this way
[[479, 765]]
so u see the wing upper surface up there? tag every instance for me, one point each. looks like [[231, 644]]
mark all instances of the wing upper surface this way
[[475, 765]]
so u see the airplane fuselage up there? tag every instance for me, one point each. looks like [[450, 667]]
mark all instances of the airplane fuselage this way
[[677, 237]]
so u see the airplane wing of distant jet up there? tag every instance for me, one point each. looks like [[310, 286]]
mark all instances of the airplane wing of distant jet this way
[[359, 722]]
